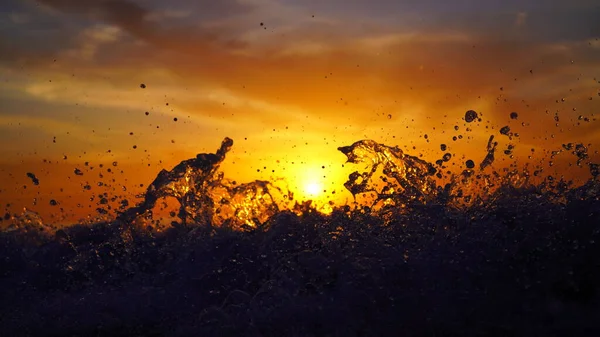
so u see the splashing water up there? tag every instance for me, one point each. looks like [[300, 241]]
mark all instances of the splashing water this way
[[415, 239], [406, 179], [205, 197], [391, 179]]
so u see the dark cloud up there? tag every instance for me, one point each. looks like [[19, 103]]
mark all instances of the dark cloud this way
[[208, 9], [29, 35], [550, 20], [546, 24], [432, 69], [568, 24], [8, 52], [29, 51], [133, 18], [8, 6], [125, 14]]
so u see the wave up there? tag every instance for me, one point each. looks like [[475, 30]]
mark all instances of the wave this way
[[421, 252]]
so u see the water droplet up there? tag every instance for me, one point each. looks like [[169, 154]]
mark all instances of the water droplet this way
[[514, 115], [470, 116], [143, 86], [470, 164], [33, 178]]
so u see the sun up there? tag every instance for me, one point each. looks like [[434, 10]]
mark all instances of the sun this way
[[313, 188]]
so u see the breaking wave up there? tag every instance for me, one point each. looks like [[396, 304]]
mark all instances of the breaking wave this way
[[422, 252]]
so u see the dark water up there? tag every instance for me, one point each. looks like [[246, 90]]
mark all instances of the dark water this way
[[426, 253]]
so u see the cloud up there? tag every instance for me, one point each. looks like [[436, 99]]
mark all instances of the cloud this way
[[326, 70], [520, 19], [141, 22], [19, 18], [41, 129], [165, 15], [333, 76], [91, 39]]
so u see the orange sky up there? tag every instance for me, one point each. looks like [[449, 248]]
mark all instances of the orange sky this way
[[288, 83]]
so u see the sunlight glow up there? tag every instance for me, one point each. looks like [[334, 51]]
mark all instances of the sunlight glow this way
[[313, 189]]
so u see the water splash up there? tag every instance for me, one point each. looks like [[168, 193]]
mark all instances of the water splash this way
[[489, 236], [405, 178], [206, 197], [390, 179], [491, 149]]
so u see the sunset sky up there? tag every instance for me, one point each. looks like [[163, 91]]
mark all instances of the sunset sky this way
[[288, 81]]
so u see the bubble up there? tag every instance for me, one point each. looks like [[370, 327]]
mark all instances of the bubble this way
[[443, 147], [389, 116], [470, 116], [470, 164], [514, 115], [53, 202], [447, 156]]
